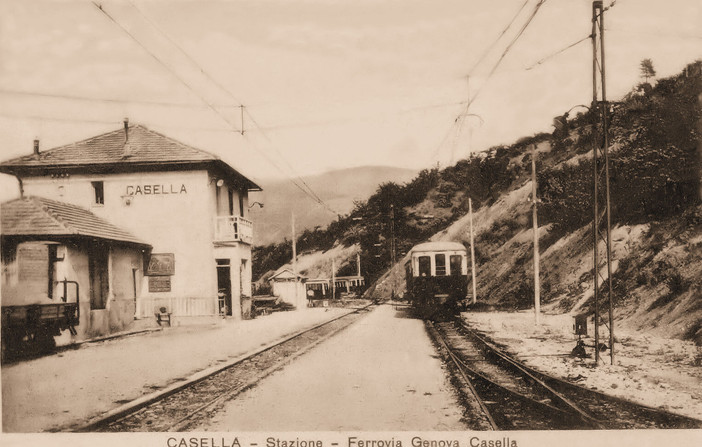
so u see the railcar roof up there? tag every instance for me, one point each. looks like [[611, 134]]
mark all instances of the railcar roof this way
[[438, 246]]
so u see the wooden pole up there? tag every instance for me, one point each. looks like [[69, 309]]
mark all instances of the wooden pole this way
[[472, 250], [333, 278], [537, 283], [596, 8], [605, 146], [294, 256]]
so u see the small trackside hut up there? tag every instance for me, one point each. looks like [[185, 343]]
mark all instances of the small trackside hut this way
[[437, 279]]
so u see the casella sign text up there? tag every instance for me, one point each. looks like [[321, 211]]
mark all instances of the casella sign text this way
[[148, 190]]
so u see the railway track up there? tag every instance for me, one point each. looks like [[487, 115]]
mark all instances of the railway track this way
[[185, 405], [516, 397]]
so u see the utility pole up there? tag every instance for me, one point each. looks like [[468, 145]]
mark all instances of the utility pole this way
[[602, 222], [392, 235], [333, 279], [241, 107], [534, 200], [472, 249], [294, 253]]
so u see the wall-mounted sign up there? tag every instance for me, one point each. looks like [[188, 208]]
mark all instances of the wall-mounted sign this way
[[159, 284], [161, 264], [155, 190]]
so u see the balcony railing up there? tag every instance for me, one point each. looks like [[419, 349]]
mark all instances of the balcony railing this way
[[233, 229]]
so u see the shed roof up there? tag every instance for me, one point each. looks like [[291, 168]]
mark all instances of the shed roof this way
[[438, 246], [37, 216], [285, 274], [138, 148]]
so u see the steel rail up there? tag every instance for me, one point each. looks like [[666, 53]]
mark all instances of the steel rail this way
[[593, 394], [478, 377], [521, 369], [466, 379], [132, 407]]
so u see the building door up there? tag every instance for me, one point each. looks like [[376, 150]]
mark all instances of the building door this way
[[134, 292], [224, 287], [98, 264]]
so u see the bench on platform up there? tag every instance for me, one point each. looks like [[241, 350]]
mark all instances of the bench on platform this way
[[163, 316]]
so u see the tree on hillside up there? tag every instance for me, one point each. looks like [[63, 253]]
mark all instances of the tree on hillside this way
[[647, 70]]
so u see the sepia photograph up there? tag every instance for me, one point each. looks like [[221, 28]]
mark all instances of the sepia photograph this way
[[351, 223]]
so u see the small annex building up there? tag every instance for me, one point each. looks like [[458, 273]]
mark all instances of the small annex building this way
[[289, 287], [46, 242], [183, 210]]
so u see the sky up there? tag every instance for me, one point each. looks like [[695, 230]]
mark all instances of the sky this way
[[325, 84]]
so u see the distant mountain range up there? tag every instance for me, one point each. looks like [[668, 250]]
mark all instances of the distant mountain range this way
[[337, 188]]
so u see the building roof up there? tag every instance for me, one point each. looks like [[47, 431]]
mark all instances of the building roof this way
[[136, 148], [37, 216], [286, 274], [438, 246]]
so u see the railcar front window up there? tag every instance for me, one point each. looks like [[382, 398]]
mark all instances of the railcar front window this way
[[440, 259], [455, 263], [424, 266]]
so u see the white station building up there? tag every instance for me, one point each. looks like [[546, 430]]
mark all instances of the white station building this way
[[188, 205]]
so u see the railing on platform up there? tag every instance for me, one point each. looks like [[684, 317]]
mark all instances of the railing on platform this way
[[183, 307], [233, 229]]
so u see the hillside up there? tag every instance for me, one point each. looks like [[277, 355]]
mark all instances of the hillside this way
[[656, 212], [338, 188]]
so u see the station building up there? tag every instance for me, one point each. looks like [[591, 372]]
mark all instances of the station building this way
[[186, 210]]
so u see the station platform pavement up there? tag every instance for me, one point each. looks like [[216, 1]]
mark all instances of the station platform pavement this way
[[62, 391]]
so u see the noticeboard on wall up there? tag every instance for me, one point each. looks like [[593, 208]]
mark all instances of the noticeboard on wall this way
[[161, 264], [159, 284]]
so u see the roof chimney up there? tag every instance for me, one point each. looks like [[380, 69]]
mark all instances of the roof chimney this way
[[36, 148], [126, 130]]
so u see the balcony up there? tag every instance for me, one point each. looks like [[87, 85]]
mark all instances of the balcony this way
[[233, 229]]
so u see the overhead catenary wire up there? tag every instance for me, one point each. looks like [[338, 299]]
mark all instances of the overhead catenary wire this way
[[219, 85], [184, 53], [504, 53], [214, 109], [292, 125], [314, 194], [507, 49], [164, 64], [494, 42], [556, 53]]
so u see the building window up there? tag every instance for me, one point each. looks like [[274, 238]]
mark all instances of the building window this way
[[424, 266], [98, 193], [440, 260], [241, 204], [231, 202]]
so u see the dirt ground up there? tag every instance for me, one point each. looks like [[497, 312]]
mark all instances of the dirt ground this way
[[658, 372], [380, 374], [72, 386]]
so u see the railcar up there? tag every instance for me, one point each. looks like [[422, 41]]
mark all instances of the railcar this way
[[30, 329], [436, 274]]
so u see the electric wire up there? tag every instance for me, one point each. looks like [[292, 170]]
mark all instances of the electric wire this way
[[110, 100], [556, 53], [508, 48], [172, 71], [497, 64], [299, 178], [211, 78], [184, 53], [163, 63], [494, 42]]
